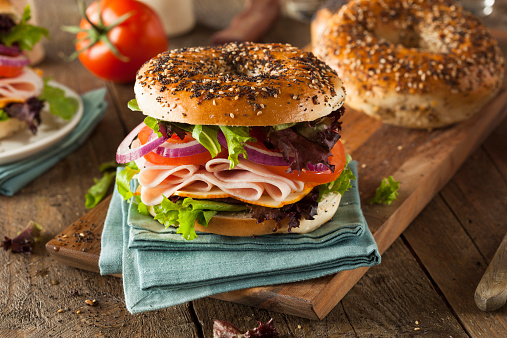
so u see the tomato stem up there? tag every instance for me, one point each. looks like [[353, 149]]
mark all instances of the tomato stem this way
[[82, 10], [98, 32]]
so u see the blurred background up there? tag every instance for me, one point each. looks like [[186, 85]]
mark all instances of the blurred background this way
[[207, 19]]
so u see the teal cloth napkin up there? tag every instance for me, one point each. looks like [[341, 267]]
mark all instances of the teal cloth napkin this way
[[14, 176], [147, 233], [155, 279]]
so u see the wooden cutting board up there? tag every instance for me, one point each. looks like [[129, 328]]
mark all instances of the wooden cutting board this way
[[423, 161]]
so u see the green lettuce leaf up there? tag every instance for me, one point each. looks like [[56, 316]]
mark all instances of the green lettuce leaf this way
[[174, 214], [186, 221], [141, 207], [341, 184], [283, 126], [24, 34], [207, 136], [105, 166], [197, 204], [387, 192], [153, 124], [123, 180], [97, 191], [59, 104], [207, 214], [167, 212], [183, 214], [3, 115], [133, 105], [236, 138]]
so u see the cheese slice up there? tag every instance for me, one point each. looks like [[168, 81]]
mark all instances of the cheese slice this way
[[265, 200], [6, 100]]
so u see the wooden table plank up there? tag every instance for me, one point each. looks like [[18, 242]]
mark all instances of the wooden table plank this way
[[456, 250]]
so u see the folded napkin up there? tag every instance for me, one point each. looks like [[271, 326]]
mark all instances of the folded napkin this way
[[14, 176], [155, 279], [147, 233]]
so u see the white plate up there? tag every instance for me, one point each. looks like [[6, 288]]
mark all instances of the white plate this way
[[51, 130]]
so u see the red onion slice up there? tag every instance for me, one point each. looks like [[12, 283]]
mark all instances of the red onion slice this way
[[256, 155], [265, 157], [14, 61], [11, 51], [124, 154], [180, 149]]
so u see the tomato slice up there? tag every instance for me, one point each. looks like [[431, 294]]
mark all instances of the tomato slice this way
[[9, 71], [154, 158], [338, 160]]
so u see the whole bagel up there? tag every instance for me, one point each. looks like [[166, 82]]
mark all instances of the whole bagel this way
[[410, 63], [243, 84]]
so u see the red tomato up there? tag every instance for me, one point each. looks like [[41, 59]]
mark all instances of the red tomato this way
[[338, 160], [137, 39], [201, 158], [9, 71]]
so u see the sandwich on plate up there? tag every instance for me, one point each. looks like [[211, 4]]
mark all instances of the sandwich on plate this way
[[20, 86], [239, 140]]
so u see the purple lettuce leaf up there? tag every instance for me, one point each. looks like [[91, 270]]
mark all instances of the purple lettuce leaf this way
[[263, 330], [325, 130], [297, 150], [6, 24], [223, 329], [307, 142], [25, 239], [305, 208], [28, 111]]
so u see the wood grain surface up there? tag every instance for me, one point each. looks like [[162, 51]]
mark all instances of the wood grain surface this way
[[424, 286]]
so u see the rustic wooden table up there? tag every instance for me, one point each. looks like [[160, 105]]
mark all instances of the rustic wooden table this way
[[424, 285]]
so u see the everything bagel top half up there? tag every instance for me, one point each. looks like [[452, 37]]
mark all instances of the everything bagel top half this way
[[410, 63]]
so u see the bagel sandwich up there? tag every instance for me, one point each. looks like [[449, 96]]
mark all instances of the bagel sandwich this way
[[238, 140], [20, 86]]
